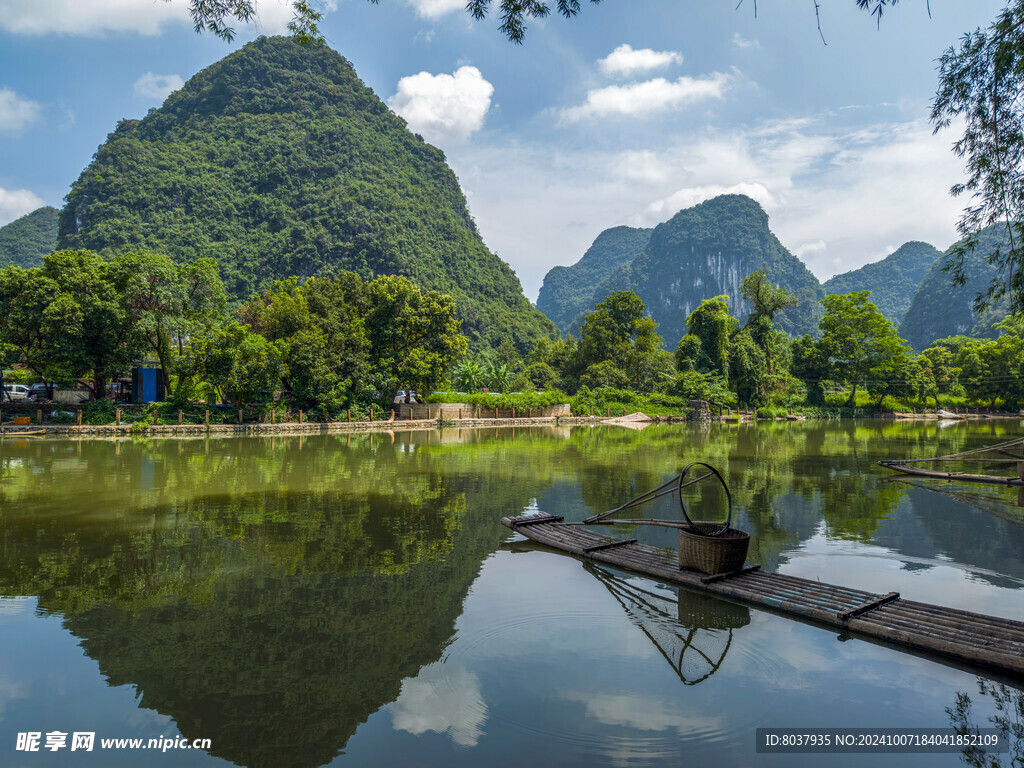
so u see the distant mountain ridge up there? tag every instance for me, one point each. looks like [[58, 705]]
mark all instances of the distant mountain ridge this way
[[278, 161], [706, 251], [893, 281], [24, 241], [568, 292], [940, 309]]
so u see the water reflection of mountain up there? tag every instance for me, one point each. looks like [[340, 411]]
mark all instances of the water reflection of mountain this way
[[927, 524], [692, 632], [273, 622]]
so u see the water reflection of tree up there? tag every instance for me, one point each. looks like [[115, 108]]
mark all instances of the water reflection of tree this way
[[270, 604], [1008, 721], [692, 632]]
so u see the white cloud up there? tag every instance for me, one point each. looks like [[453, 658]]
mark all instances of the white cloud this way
[[74, 17], [97, 17], [808, 249], [444, 107], [743, 42], [650, 96], [639, 165], [442, 698], [157, 87], [687, 197], [433, 9], [16, 113], [626, 61], [16, 203]]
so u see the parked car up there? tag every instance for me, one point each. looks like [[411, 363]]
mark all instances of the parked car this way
[[39, 391], [17, 391], [406, 396]]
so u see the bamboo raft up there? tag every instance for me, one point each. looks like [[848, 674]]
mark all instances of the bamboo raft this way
[[930, 630], [1003, 456]]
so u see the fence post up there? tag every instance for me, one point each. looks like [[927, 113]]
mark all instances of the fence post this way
[[300, 417], [591, 411], [326, 419], [371, 412], [513, 413], [79, 417], [117, 417], [206, 418], [180, 418], [348, 414], [495, 411], [239, 415]]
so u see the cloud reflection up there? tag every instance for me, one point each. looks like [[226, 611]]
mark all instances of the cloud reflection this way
[[443, 698]]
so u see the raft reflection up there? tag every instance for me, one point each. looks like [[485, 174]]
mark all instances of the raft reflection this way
[[693, 632]]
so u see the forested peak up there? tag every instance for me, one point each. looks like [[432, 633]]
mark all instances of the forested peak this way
[[892, 280], [723, 219], [274, 75], [611, 240], [278, 162], [724, 207], [940, 308], [24, 241]]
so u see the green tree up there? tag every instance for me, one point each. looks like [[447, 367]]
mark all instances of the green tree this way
[[809, 367], [25, 325], [711, 325], [858, 342], [542, 376], [748, 370], [694, 385], [604, 374], [68, 319], [939, 372], [768, 300], [413, 336], [619, 332], [241, 366], [980, 82], [168, 302]]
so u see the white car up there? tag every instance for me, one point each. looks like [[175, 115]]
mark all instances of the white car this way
[[17, 391]]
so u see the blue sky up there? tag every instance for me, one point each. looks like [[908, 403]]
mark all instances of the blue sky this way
[[624, 115]]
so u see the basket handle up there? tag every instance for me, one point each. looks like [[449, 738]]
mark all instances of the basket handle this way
[[682, 506]]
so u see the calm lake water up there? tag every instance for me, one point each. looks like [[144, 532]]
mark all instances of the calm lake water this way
[[354, 601]]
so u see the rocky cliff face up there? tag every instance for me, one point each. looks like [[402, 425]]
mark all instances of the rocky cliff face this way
[[706, 251]]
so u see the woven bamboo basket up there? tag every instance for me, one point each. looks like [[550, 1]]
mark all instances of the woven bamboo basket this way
[[705, 547]]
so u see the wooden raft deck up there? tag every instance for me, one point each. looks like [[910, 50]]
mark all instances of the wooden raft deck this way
[[971, 638]]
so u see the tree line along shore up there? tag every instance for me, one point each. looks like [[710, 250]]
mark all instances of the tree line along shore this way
[[339, 347]]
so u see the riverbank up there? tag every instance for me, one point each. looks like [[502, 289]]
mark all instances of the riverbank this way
[[407, 425]]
